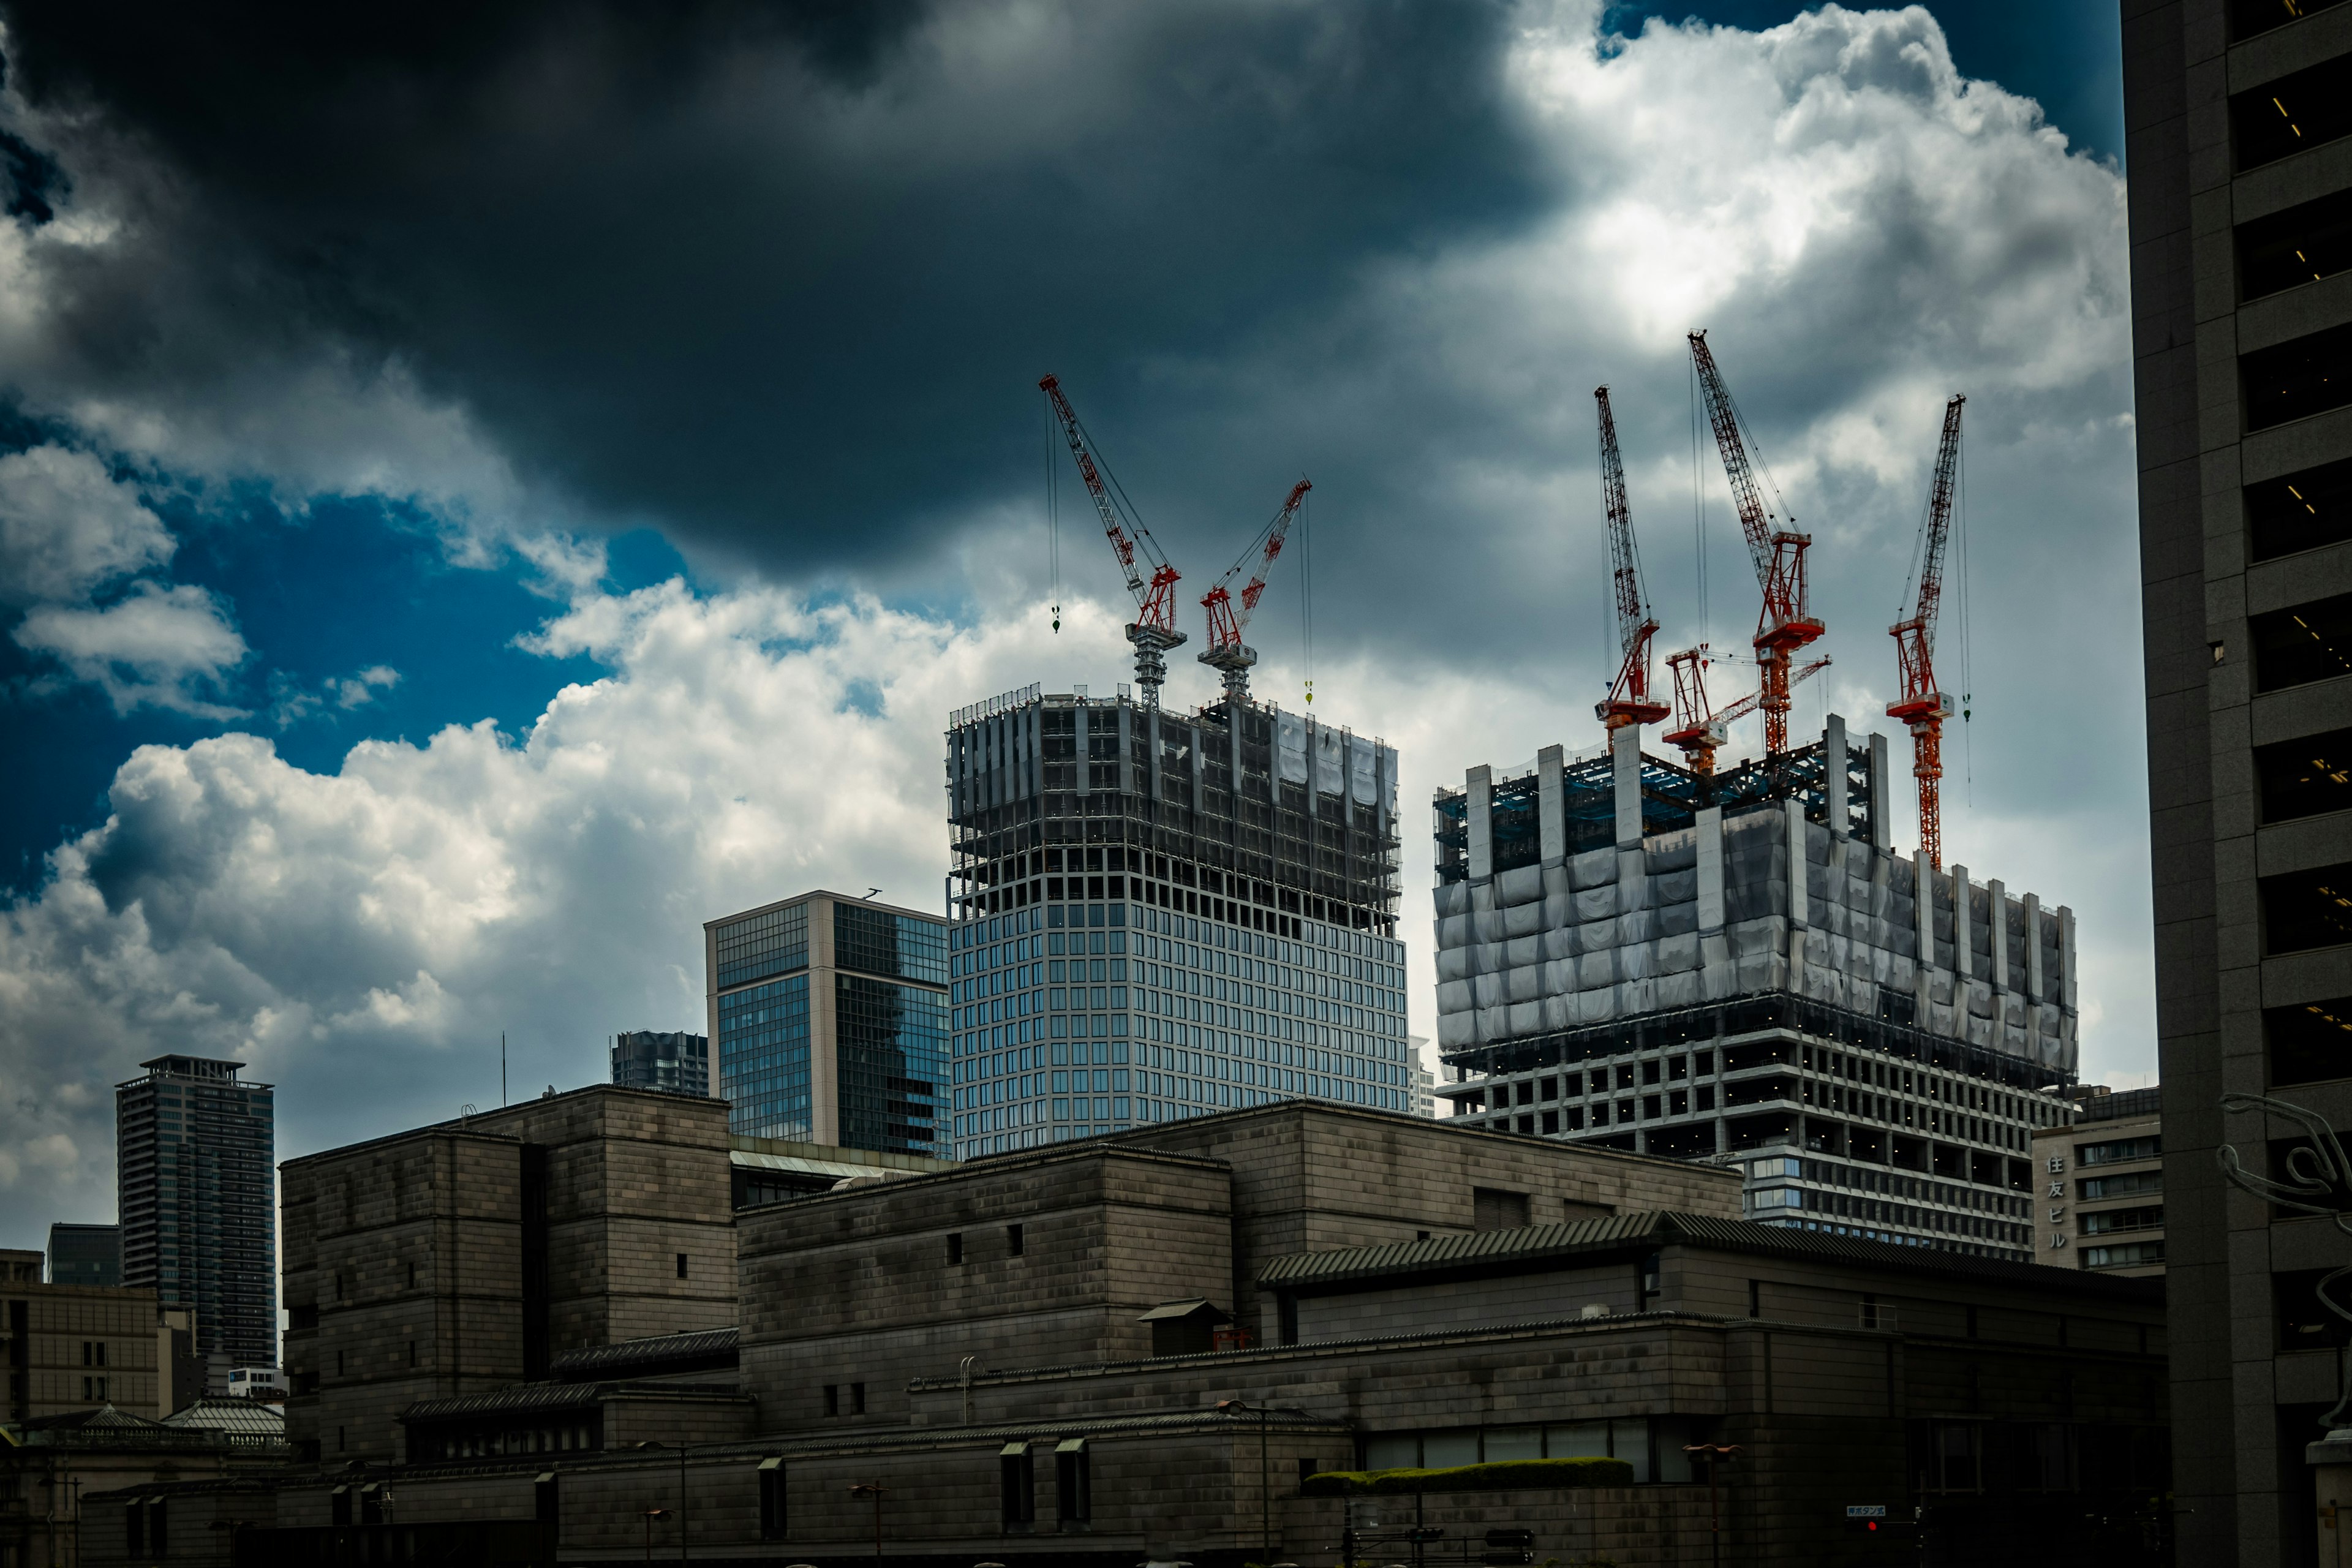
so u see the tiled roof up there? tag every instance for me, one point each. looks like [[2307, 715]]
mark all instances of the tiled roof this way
[[683, 1352], [562, 1396]]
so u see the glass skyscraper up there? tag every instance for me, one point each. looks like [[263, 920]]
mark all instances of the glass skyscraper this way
[[830, 1018], [195, 1151], [1161, 915]]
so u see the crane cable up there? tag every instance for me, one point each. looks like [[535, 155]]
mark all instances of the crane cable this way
[[1053, 520], [1306, 587]]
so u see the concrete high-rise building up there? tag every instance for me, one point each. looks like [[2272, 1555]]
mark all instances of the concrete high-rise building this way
[[673, 1061], [830, 1017], [2241, 332], [1157, 915], [1625, 959], [195, 1148], [86, 1255], [2102, 1204]]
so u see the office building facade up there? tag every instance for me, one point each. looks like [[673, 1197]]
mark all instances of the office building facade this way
[[2102, 1204], [671, 1061], [829, 1015], [2241, 339], [1159, 915], [195, 1156], [85, 1254], [1739, 968]]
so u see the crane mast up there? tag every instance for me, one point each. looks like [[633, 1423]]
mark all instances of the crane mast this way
[[1153, 631], [1226, 652], [1700, 729], [1785, 625], [1629, 700], [1922, 707]]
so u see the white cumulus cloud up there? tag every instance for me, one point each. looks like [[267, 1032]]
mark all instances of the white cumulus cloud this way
[[68, 526], [162, 648]]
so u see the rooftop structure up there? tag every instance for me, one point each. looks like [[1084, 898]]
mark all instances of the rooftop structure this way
[[194, 1144], [1157, 915], [830, 1015], [672, 1061], [85, 1254], [1624, 957]]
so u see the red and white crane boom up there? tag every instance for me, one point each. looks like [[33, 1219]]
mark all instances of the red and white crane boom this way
[[1922, 707], [1785, 624], [1153, 631], [1700, 729], [1629, 700], [1226, 652]]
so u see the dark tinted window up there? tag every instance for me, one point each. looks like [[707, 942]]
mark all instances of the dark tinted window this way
[[2310, 642], [2305, 777], [2310, 1044], [2248, 17], [2297, 245], [2283, 117], [2297, 379], [2301, 511], [2308, 909]]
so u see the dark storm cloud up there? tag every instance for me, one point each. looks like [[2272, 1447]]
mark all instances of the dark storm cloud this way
[[779, 276]]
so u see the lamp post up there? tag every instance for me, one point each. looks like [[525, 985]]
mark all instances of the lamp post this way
[[1264, 1488], [681, 1500], [875, 1491], [652, 1514], [1711, 1453]]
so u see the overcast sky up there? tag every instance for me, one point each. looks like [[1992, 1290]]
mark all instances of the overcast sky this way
[[478, 499]]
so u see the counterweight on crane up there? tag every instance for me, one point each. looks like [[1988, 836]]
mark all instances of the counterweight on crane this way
[[1226, 652], [1153, 631], [1922, 707], [1629, 700], [1700, 729], [1779, 553]]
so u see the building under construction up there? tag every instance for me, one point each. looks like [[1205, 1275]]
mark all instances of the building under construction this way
[[1154, 915], [1738, 967]]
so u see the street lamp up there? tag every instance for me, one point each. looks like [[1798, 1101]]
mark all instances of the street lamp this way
[[1711, 1453], [652, 1514], [681, 1501], [875, 1491], [1264, 1490]]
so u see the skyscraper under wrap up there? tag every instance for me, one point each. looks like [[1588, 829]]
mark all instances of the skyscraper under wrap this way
[[1157, 914], [194, 1154]]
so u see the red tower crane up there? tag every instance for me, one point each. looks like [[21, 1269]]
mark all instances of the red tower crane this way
[[1779, 553], [1226, 652], [1700, 729], [1629, 700], [1922, 707], [1153, 631]]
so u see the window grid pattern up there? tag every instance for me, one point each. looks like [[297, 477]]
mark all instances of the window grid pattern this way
[[764, 1059], [890, 1045], [760, 945], [876, 941]]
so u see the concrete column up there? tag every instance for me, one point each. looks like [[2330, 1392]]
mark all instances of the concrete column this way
[[1551, 805], [1126, 735], [1154, 747], [824, 1040], [1998, 897], [1710, 869], [2066, 985], [1311, 770], [1798, 901], [1923, 911], [1084, 771], [2034, 985], [1833, 755], [1479, 783], [1881, 804], [1963, 954], [1625, 755]]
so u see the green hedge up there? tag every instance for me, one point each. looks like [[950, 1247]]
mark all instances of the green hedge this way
[[1501, 1475]]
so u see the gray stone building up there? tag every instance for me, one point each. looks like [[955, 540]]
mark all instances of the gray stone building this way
[[2242, 330], [1138, 1347], [468, 1256]]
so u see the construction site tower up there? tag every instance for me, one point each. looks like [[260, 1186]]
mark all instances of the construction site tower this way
[[1153, 631], [1922, 707], [1629, 700], [1785, 625], [1226, 653]]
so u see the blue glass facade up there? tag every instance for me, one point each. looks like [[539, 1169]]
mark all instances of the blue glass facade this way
[[764, 1059], [890, 1045]]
